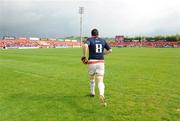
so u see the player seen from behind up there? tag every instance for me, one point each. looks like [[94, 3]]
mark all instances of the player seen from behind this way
[[97, 48]]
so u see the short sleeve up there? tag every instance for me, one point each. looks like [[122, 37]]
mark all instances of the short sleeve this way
[[107, 47], [87, 42]]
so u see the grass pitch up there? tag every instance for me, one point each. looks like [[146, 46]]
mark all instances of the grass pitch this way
[[52, 85]]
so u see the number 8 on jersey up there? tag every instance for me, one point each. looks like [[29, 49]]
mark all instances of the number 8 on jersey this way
[[98, 48]]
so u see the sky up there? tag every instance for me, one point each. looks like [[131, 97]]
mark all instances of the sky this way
[[60, 18]]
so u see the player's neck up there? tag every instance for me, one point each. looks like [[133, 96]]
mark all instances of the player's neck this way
[[94, 36]]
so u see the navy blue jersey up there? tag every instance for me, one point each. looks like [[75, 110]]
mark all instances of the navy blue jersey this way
[[96, 48]]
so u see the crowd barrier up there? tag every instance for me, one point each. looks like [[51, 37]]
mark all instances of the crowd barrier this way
[[24, 44], [145, 44]]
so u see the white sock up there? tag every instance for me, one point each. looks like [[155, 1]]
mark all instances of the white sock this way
[[101, 88], [92, 86]]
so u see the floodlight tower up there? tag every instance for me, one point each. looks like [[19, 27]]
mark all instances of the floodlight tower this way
[[81, 11]]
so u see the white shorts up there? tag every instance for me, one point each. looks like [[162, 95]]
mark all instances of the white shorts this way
[[96, 67]]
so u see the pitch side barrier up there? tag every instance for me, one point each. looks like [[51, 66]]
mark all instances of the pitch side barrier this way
[[25, 44], [146, 44]]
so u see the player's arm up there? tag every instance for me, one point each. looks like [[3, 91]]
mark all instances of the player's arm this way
[[85, 49], [107, 51], [84, 53]]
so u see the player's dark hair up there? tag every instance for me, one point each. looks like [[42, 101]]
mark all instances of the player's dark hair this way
[[94, 32]]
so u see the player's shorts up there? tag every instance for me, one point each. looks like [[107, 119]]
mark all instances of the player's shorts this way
[[96, 67]]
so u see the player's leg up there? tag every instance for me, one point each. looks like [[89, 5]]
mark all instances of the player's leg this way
[[92, 79], [92, 85], [101, 86], [100, 76], [101, 89]]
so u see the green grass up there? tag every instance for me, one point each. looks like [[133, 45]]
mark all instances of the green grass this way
[[142, 84]]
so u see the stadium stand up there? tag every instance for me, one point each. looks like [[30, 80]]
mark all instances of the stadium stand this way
[[20, 43], [39, 44], [146, 44]]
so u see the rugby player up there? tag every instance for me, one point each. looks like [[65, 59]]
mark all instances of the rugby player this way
[[97, 48]]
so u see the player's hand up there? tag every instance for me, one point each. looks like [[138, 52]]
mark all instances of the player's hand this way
[[84, 60]]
